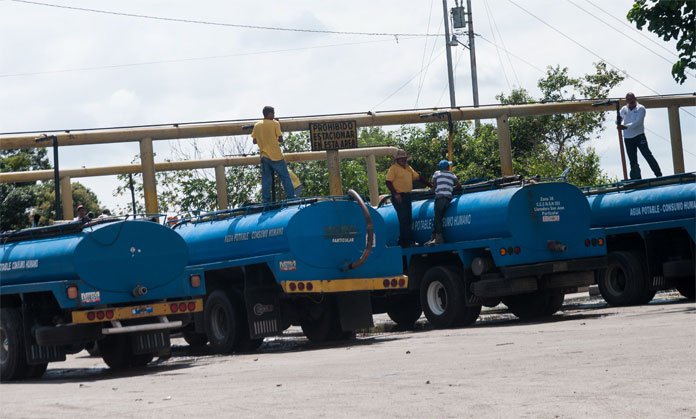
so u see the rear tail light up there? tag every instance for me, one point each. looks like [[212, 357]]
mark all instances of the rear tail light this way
[[71, 291], [402, 282], [191, 306], [100, 315], [109, 314], [394, 283], [300, 286], [310, 286], [174, 307], [195, 281], [91, 316], [293, 286]]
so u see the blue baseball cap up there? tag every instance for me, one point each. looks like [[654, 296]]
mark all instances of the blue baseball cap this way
[[444, 164]]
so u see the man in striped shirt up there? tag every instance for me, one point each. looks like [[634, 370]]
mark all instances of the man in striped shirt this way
[[444, 183]]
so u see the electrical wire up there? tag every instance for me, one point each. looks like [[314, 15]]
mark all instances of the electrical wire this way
[[667, 140], [644, 47], [231, 25], [407, 81], [212, 57], [454, 71], [421, 79], [583, 47], [510, 53], [491, 16], [497, 50]]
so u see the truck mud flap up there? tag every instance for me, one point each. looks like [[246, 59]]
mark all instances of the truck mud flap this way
[[568, 280], [37, 354], [354, 310], [262, 312], [501, 287], [147, 343]]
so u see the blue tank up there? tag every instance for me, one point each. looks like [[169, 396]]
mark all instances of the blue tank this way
[[311, 240], [107, 261], [527, 217], [644, 202]]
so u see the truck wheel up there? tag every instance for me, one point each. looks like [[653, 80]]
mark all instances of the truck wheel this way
[[116, 351], [221, 322], [195, 340], [140, 360], [534, 305], [441, 299], [36, 370], [13, 361], [318, 326], [405, 311], [623, 282], [687, 288]]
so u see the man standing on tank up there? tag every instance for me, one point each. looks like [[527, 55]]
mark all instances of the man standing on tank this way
[[444, 183], [633, 115], [268, 136], [400, 179]]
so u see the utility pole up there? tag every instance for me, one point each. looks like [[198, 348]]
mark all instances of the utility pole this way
[[472, 56], [450, 75]]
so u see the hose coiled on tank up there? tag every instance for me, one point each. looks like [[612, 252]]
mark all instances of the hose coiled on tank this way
[[370, 231]]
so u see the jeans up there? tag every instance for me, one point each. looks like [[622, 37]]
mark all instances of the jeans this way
[[441, 204], [633, 144], [403, 212], [269, 166]]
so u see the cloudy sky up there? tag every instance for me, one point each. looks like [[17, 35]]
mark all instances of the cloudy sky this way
[[132, 62]]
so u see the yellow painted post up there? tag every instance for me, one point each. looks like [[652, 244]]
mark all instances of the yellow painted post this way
[[333, 163], [66, 197], [505, 145], [676, 137], [147, 161], [221, 186], [372, 179]]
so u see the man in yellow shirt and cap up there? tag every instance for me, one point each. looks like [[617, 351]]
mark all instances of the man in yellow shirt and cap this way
[[268, 136], [400, 179]]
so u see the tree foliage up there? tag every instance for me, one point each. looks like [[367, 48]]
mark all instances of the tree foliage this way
[[670, 19]]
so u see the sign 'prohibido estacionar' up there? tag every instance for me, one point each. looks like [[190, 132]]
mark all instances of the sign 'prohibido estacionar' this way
[[335, 135]]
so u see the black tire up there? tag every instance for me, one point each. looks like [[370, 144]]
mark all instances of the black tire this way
[[13, 360], [537, 304], [405, 311], [442, 298], [687, 288], [141, 360], [319, 325], [249, 345], [92, 349], [195, 340], [36, 370], [221, 322], [116, 351], [624, 281]]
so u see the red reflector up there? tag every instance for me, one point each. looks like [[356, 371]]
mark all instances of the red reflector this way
[[517, 250], [402, 282], [109, 314], [587, 242], [394, 282], [174, 307], [310, 286], [100, 315], [300, 286], [182, 306], [195, 281], [293, 286], [91, 315], [191, 306], [72, 292], [386, 283]]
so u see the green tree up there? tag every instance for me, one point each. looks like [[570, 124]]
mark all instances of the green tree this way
[[670, 19]]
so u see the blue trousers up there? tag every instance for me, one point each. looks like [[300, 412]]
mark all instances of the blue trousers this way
[[269, 166]]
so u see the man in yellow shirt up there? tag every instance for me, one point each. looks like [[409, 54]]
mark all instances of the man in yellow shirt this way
[[268, 136], [400, 179]]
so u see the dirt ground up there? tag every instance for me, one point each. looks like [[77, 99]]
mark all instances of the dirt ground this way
[[590, 360]]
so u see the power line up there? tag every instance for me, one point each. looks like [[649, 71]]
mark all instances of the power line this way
[[180, 60], [421, 79], [408, 81], [454, 71], [622, 33], [583, 47], [230, 25], [502, 42], [497, 50], [508, 52]]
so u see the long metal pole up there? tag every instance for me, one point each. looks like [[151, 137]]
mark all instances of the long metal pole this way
[[472, 58], [56, 178], [450, 75]]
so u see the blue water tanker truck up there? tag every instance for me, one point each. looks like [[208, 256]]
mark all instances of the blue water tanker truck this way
[[649, 227], [310, 262], [524, 243], [121, 283]]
